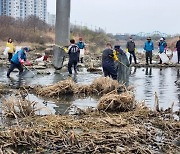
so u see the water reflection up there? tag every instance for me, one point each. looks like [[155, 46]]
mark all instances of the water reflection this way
[[178, 85], [16, 82], [66, 104], [147, 81], [148, 71]]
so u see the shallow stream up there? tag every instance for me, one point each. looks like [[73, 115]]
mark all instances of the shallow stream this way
[[146, 82]]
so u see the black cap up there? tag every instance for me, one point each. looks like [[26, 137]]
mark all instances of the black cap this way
[[117, 47]]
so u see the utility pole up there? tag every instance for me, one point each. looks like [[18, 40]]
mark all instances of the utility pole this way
[[62, 31]]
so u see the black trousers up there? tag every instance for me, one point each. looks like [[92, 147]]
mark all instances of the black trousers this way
[[132, 53], [178, 52], [10, 56], [72, 63], [13, 66], [110, 71], [148, 56]]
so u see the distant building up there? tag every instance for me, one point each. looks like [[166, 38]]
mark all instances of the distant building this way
[[51, 19], [24, 8]]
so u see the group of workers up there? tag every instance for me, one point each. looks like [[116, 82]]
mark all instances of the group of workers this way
[[110, 57], [148, 47]]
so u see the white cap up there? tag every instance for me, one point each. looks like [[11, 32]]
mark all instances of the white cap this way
[[161, 39]]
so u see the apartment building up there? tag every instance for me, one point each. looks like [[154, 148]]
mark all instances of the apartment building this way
[[24, 8], [51, 19]]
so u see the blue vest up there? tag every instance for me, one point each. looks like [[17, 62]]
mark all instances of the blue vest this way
[[162, 46], [80, 45], [149, 46]]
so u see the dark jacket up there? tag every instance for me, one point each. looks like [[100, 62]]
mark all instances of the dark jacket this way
[[130, 46], [107, 57], [178, 45], [73, 52]]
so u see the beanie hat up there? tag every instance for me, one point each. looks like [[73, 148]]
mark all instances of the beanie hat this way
[[26, 49]]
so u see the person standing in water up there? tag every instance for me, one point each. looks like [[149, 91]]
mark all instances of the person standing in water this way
[[108, 64], [73, 52]]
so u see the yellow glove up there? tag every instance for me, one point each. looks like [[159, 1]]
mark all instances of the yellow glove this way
[[65, 49], [135, 50], [115, 57], [126, 50]]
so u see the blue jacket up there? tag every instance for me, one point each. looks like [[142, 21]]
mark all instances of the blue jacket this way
[[18, 56], [149, 46], [162, 46], [81, 45]]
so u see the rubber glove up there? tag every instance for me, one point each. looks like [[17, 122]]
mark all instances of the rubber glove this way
[[65, 49], [115, 56], [126, 50], [21, 62], [28, 63], [135, 50]]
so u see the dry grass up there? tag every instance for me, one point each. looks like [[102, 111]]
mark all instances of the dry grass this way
[[16, 107], [172, 43], [60, 88], [117, 103], [104, 85], [3, 89], [100, 86], [95, 132]]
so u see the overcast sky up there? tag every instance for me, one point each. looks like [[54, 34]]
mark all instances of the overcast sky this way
[[126, 16]]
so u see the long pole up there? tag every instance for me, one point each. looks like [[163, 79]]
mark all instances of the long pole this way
[[62, 31]]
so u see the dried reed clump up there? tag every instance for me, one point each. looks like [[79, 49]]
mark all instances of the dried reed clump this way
[[117, 103], [17, 107], [104, 85], [60, 88], [83, 89]]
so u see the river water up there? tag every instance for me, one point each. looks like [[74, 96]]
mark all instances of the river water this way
[[146, 82]]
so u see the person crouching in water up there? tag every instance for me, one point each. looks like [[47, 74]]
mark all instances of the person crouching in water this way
[[11, 48], [162, 47], [73, 52], [18, 60], [108, 64]]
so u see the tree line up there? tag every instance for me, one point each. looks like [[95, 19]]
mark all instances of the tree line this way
[[31, 29]]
